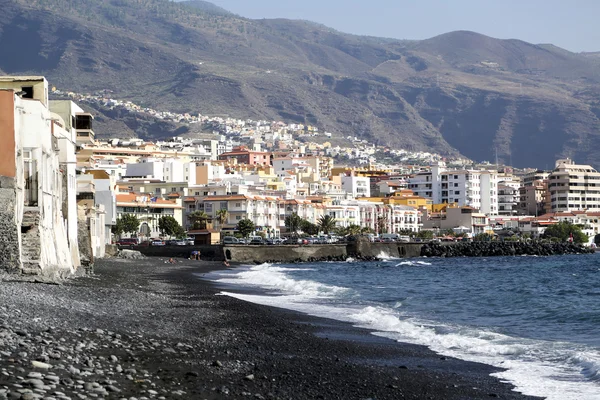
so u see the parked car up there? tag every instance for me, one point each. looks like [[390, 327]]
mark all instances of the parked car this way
[[157, 242], [231, 240], [190, 241], [127, 242], [256, 240]]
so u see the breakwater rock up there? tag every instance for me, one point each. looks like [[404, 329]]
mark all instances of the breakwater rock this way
[[489, 249]]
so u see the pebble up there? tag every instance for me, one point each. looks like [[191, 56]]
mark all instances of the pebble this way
[[41, 365]]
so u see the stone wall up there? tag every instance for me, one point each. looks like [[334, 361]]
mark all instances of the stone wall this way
[[286, 253], [207, 252], [10, 253], [85, 241], [367, 250]]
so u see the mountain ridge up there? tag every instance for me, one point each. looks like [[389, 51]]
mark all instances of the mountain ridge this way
[[458, 92]]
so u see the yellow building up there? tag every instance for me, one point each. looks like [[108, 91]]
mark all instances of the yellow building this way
[[403, 198], [360, 172]]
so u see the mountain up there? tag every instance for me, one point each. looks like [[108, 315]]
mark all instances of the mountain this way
[[205, 6], [460, 92]]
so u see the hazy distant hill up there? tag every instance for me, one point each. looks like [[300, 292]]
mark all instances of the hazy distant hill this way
[[458, 92]]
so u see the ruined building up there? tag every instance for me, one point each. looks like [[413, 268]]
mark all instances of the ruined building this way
[[38, 214]]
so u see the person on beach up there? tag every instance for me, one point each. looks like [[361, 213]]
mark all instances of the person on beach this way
[[225, 263], [195, 255]]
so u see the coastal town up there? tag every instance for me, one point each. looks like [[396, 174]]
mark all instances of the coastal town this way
[[70, 194]]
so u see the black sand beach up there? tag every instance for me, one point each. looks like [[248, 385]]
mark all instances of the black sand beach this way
[[144, 329]]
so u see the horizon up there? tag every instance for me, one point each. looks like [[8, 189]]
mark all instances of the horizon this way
[[539, 22]]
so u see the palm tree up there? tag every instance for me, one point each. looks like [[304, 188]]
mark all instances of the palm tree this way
[[353, 230], [327, 223], [199, 219], [222, 216], [292, 223]]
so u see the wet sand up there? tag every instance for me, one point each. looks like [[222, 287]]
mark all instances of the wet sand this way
[[147, 329]]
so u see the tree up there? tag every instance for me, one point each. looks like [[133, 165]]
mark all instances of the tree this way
[[382, 224], [327, 223], [245, 227], [292, 223], [169, 226], [425, 234], [308, 227], [198, 219], [222, 216], [353, 230], [127, 223], [563, 231]]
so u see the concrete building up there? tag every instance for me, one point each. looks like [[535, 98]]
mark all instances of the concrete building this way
[[473, 188], [242, 155], [65, 114], [148, 210], [34, 229], [458, 218], [574, 187], [508, 198], [356, 186], [93, 229], [531, 198]]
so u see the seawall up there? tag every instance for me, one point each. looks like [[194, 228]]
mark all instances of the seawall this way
[[362, 250]]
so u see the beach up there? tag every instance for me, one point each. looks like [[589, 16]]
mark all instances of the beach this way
[[148, 329]]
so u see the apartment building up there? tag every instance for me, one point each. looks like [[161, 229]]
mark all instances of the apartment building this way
[[508, 197], [531, 198], [574, 187], [148, 210], [264, 211], [473, 188], [459, 218], [356, 186], [242, 155]]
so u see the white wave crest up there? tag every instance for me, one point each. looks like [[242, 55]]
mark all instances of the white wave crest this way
[[275, 278], [413, 263], [536, 368]]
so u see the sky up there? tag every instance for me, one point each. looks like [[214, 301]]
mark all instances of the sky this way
[[571, 25]]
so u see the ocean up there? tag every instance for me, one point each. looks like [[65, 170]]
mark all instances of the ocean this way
[[537, 317]]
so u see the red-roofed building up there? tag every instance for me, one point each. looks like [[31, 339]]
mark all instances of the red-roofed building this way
[[148, 210], [242, 155]]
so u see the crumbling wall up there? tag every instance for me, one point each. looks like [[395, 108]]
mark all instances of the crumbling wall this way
[[85, 241], [10, 253]]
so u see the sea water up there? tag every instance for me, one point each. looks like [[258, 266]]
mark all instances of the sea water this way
[[536, 317]]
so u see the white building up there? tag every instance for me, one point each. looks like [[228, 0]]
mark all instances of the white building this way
[[574, 187], [473, 188], [356, 186], [508, 198], [34, 229]]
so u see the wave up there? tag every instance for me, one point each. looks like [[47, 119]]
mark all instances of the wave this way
[[413, 263], [555, 370], [274, 278], [537, 368]]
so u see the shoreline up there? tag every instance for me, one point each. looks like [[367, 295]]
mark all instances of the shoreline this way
[[148, 328]]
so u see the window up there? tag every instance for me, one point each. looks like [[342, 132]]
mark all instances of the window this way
[[238, 217], [28, 92]]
